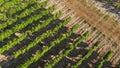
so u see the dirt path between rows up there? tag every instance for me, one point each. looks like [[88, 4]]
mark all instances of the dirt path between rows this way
[[107, 27]]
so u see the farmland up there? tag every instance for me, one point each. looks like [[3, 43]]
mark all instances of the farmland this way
[[57, 34]]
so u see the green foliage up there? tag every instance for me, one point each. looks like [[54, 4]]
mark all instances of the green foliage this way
[[118, 5], [9, 32], [9, 14], [105, 58], [86, 55], [25, 13], [38, 39], [72, 46], [15, 41], [8, 5], [3, 17], [21, 7], [108, 55]]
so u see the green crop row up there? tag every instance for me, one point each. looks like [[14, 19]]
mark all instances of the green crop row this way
[[25, 13], [45, 23], [9, 4], [15, 41], [21, 7], [105, 58], [16, 9], [86, 55], [38, 39], [54, 43], [9, 32], [63, 54]]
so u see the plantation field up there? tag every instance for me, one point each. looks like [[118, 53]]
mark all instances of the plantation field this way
[[48, 34]]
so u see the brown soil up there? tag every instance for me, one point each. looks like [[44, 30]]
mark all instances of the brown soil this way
[[107, 27]]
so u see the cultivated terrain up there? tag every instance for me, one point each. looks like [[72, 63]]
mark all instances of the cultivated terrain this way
[[59, 34]]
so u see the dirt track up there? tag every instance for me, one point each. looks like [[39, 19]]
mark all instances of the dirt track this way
[[107, 27]]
